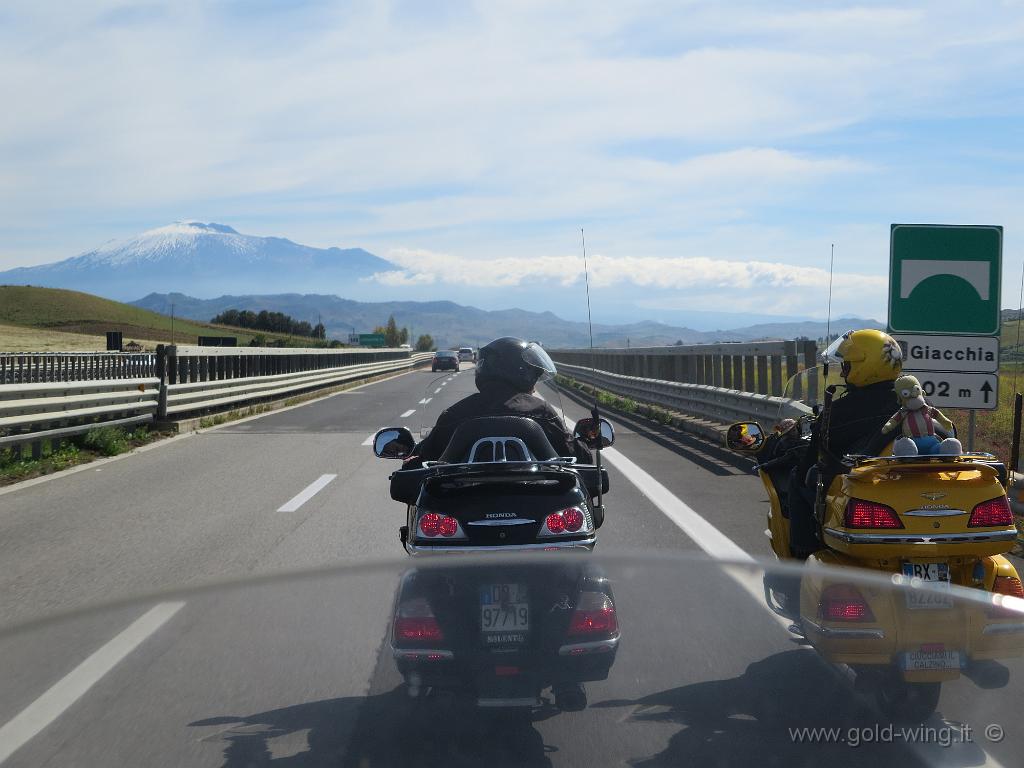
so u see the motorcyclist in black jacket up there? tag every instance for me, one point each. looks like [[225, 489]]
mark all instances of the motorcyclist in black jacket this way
[[870, 361], [507, 371]]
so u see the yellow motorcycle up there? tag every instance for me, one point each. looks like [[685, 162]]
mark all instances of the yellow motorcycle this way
[[933, 525]]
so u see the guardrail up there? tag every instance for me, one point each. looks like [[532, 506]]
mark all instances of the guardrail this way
[[32, 413], [702, 400], [177, 399], [188, 380], [39, 367], [758, 367]]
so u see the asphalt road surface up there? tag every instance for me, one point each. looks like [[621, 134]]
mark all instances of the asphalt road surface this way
[[294, 671]]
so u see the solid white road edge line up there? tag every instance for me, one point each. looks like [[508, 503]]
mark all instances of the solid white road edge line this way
[[69, 689], [408, 413], [369, 440], [307, 493]]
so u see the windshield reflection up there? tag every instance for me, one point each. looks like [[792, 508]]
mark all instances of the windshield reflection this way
[[462, 661]]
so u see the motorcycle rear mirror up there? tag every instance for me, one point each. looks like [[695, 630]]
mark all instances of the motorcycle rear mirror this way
[[745, 436], [591, 433], [393, 443]]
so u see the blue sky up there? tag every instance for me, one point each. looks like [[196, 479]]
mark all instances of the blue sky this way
[[713, 151]]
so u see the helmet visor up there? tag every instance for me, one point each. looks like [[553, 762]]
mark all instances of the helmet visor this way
[[831, 354], [535, 357]]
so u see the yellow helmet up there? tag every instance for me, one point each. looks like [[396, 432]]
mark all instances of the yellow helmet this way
[[866, 357]]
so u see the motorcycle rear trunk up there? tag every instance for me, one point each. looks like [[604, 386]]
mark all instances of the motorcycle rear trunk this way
[[501, 635], [933, 502]]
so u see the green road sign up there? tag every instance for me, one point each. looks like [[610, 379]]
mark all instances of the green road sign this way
[[371, 339], [945, 279]]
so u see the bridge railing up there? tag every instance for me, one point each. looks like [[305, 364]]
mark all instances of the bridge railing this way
[[44, 403], [759, 367], [43, 367], [718, 382]]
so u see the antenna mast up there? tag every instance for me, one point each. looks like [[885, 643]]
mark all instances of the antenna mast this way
[[594, 412], [828, 314]]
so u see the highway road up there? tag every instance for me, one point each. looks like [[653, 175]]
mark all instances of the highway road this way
[[291, 671]]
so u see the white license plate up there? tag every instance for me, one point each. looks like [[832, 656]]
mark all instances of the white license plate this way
[[504, 608], [934, 578], [926, 659]]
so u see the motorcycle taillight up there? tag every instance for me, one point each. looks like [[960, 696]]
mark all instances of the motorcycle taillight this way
[[594, 616], [415, 623], [870, 514], [1007, 598], [991, 513], [843, 602]]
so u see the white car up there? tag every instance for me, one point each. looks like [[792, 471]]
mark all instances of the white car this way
[[467, 355]]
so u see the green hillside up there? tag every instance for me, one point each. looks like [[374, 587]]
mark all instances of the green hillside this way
[[55, 309]]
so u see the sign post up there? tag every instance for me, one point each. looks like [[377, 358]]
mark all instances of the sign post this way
[[944, 310]]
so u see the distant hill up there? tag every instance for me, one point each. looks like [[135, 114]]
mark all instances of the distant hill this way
[[203, 259], [55, 309], [454, 324]]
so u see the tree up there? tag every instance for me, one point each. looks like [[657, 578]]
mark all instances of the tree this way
[[391, 335], [319, 331], [403, 336], [425, 343]]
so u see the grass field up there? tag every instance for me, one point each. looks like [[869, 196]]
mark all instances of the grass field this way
[[57, 316]]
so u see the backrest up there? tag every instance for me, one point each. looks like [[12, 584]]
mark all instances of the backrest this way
[[517, 428]]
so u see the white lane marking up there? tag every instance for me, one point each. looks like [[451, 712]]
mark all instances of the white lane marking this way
[[425, 400], [307, 493], [369, 440], [438, 390], [408, 413], [69, 689], [707, 537]]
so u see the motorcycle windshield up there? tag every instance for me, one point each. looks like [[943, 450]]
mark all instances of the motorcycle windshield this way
[[537, 660], [804, 394]]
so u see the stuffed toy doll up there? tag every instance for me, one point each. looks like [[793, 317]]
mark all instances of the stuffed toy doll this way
[[918, 420]]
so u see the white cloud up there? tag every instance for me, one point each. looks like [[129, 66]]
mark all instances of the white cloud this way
[[680, 273]]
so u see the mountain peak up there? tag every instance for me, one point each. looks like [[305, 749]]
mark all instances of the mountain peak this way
[[191, 227]]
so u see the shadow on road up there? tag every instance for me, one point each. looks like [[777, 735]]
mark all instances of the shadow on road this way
[[389, 729], [754, 719]]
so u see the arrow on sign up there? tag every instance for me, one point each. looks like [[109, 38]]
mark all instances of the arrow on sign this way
[[987, 389]]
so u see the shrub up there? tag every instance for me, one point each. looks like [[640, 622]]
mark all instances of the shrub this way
[[108, 441]]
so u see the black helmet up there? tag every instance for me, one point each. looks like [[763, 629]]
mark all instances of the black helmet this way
[[514, 362]]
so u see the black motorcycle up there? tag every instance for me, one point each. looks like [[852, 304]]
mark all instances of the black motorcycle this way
[[499, 485], [498, 636], [501, 634]]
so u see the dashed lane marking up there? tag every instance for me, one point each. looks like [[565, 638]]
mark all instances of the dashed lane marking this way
[[70, 688], [307, 493]]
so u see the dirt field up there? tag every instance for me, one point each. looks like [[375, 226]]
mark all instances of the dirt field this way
[[16, 338]]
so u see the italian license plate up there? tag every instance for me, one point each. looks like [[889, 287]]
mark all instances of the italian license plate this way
[[930, 657], [934, 577], [504, 613]]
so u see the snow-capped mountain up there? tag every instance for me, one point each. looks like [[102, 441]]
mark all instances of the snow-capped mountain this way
[[203, 260]]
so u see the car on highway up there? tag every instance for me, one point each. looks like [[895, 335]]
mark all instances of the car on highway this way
[[467, 355], [445, 360]]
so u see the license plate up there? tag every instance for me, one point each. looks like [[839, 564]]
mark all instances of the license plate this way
[[928, 658], [935, 578], [504, 612]]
